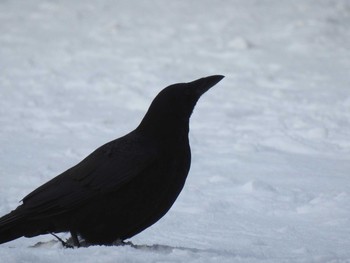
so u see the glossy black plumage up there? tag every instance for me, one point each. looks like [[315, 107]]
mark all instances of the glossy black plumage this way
[[122, 187]]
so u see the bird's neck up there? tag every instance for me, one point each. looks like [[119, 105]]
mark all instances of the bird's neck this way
[[167, 130]]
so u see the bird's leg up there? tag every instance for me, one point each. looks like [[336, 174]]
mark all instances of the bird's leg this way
[[75, 239], [65, 244]]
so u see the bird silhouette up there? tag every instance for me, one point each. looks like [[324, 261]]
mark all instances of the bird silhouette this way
[[122, 187]]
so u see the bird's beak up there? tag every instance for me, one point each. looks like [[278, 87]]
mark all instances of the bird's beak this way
[[204, 84]]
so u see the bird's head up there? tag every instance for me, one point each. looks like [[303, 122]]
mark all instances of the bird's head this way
[[173, 106]]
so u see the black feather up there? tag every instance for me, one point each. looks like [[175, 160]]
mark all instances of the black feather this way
[[122, 187]]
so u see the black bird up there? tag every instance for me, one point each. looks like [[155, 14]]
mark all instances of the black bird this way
[[124, 186]]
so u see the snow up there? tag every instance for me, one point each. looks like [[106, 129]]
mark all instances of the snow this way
[[269, 181]]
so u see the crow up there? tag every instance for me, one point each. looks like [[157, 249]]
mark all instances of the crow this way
[[124, 186]]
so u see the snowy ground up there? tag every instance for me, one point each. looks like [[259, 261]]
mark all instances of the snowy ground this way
[[270, 178]]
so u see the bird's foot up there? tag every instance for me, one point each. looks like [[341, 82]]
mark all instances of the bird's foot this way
[[65, 244], [75, 238]]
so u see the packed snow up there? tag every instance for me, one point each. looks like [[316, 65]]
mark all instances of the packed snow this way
[[269, 180]]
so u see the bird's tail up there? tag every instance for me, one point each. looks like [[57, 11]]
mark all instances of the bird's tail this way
[[12, 226]]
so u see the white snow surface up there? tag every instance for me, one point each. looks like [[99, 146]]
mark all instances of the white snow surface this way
[[270, 174]]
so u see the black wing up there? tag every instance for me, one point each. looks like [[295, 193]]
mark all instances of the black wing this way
[[103, 171]]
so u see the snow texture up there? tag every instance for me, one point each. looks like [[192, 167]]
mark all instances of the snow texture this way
[[270, 178]]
